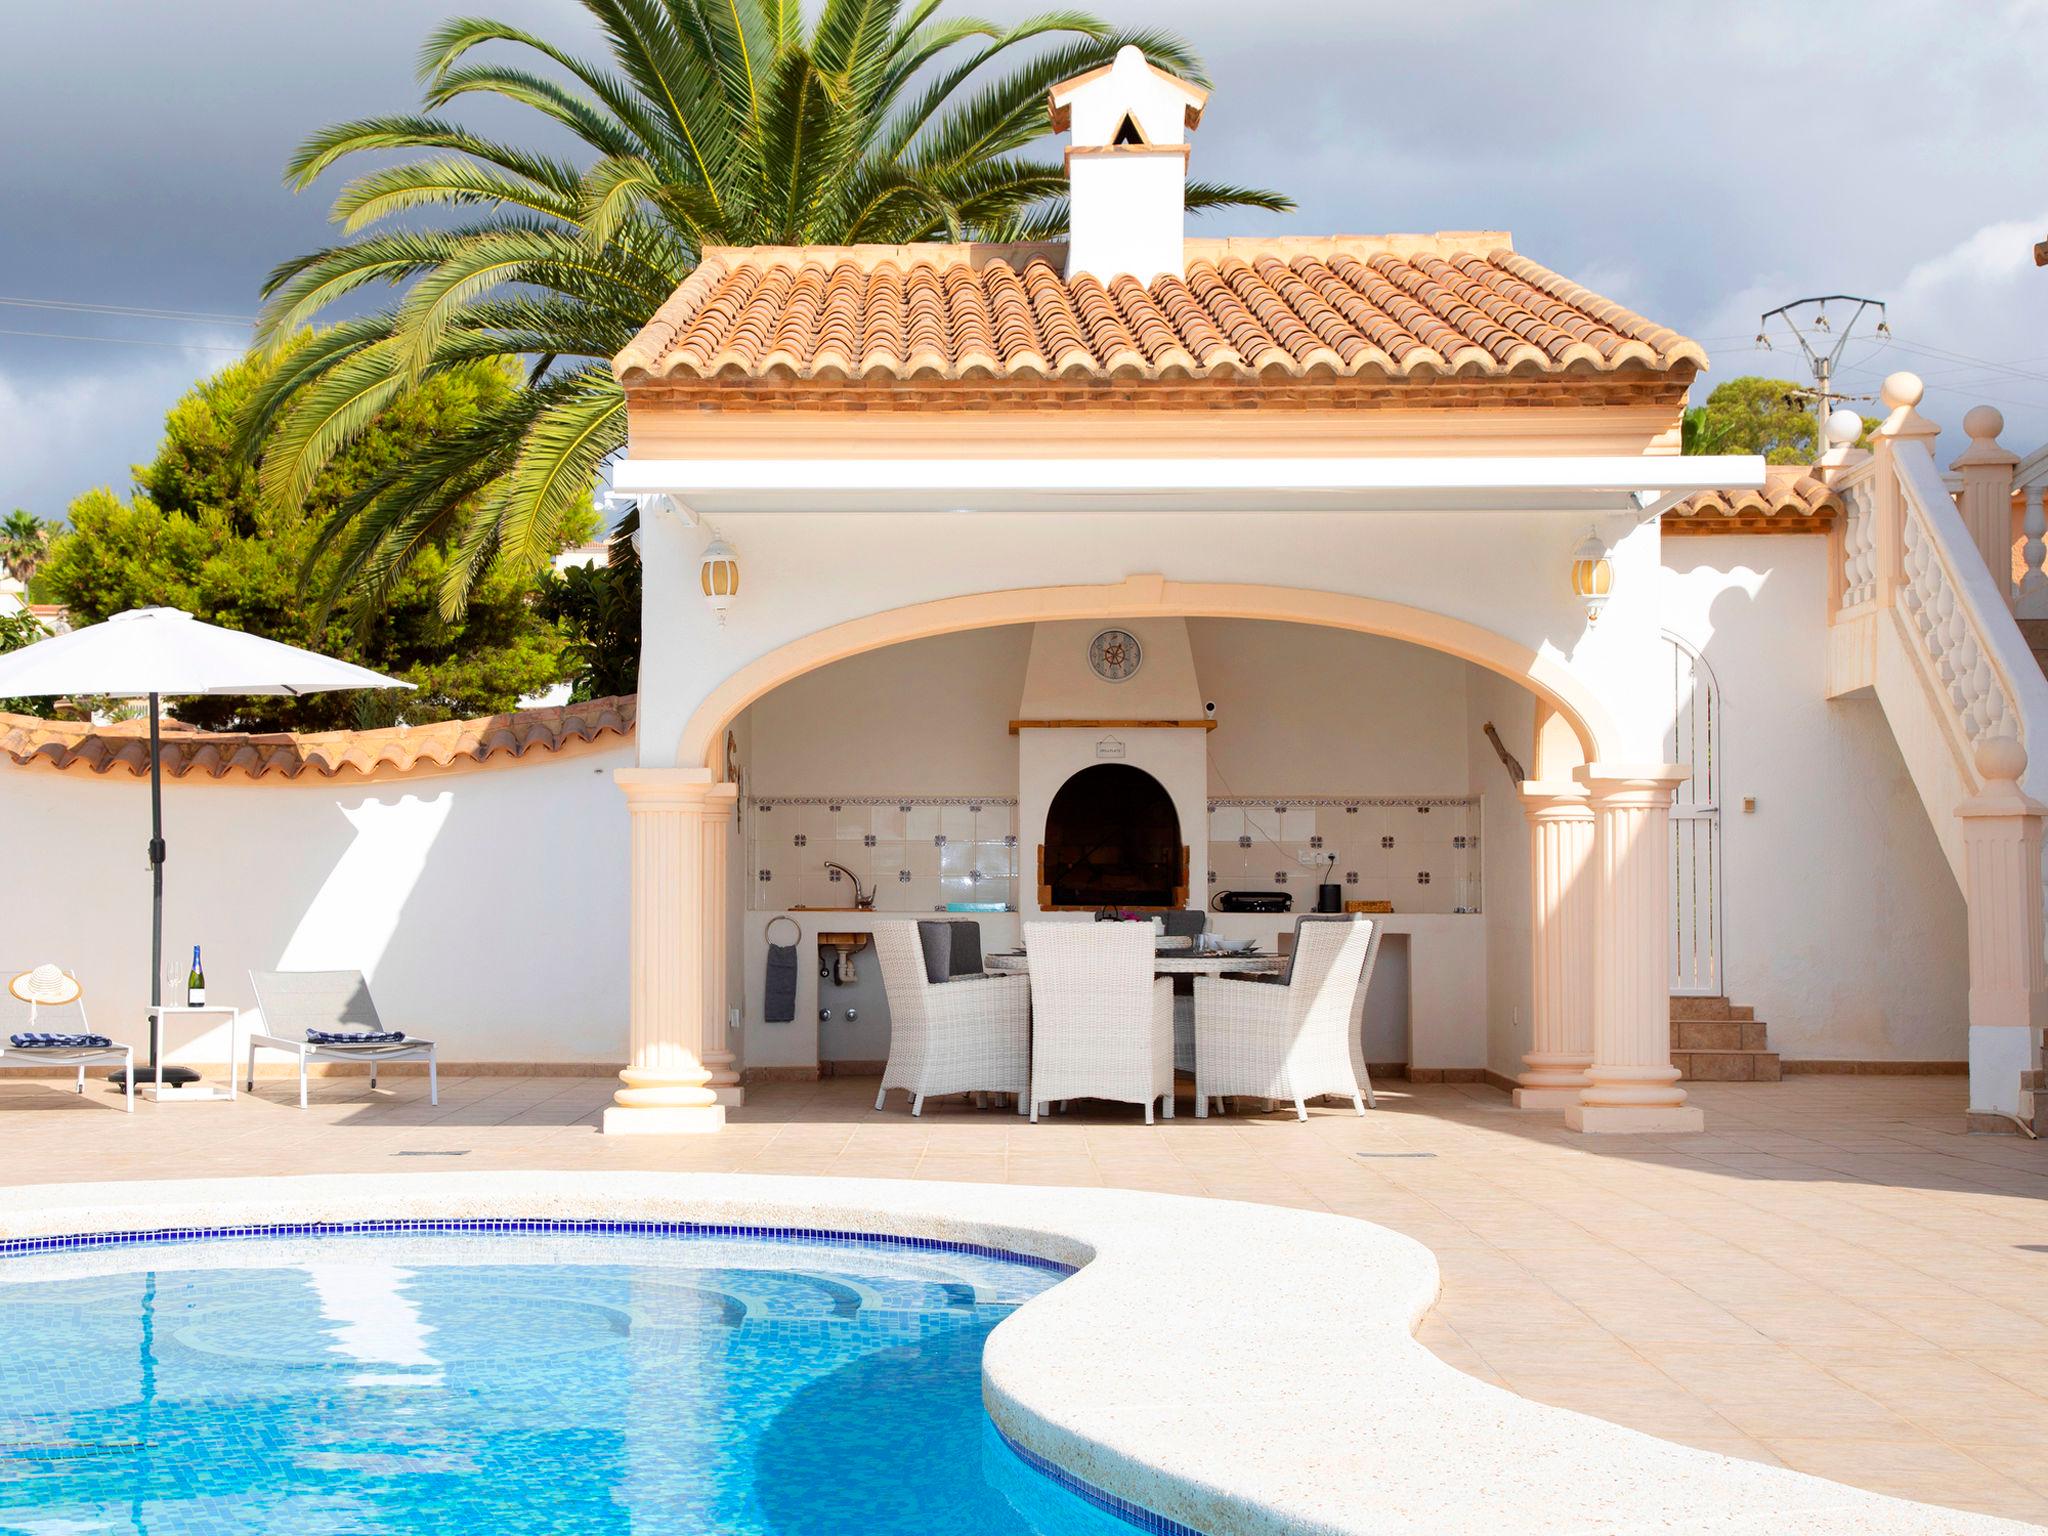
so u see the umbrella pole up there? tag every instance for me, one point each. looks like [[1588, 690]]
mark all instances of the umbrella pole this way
[[160, 1074], [156, 873]]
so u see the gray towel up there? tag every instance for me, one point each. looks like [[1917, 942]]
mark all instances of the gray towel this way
[[778, 995]]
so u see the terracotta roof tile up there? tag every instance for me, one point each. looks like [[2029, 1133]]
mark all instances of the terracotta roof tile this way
[[1793, 500], [65, 744], [1392, 307]]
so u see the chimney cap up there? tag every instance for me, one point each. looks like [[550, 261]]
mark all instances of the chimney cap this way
[[1060, 99]]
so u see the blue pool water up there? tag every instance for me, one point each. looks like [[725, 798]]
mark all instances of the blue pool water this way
[[501, 1383]]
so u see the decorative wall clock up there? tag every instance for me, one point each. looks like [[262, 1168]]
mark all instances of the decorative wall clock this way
[[1115, 655]]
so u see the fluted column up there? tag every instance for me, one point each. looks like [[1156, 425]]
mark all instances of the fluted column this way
[[2002, 890], [1560, 946], [665, 1090], [1633, 1085], [718, 814]]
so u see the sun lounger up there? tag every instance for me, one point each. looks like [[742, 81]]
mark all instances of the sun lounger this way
[[328, 1016]]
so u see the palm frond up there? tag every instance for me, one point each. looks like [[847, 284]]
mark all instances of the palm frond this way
[[696, 123], [414, 131], [1203, 196], [398, 189]]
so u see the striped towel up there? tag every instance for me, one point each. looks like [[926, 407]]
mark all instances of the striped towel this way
[[354, 1036], [36, 1040]]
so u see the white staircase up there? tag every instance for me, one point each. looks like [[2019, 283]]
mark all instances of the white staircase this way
[[1922, 617]]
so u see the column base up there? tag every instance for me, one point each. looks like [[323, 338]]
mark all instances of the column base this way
[[2000, 1057], [1634, 1119], [690, 1120], [1546, 1098], [732, 1095]]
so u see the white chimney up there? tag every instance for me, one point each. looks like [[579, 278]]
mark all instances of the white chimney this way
[[1127, 166]]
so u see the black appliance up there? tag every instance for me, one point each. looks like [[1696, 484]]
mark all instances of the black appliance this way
[[1252, 901]]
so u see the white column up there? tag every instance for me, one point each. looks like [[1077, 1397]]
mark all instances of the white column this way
[[1633, 1085], [719, 810], [2002, 886], [665, 1090], [1560, 946]]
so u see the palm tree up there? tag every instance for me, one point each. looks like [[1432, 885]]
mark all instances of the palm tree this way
[[24, 539], [713, 122]]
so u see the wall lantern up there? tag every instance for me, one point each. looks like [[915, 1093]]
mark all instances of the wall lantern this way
[[719, 574], [1592, 575]]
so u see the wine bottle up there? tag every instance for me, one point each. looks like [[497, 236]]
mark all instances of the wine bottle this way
[[195, 984]]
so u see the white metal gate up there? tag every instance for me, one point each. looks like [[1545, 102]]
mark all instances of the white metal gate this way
[[1698, 924]]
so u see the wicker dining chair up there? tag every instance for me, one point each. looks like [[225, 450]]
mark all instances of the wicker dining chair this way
[[1295, 1041], [1101, 1023], [971, 1034]]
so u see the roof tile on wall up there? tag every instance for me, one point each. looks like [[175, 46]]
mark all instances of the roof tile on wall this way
[[64, 744], [1793, 500]]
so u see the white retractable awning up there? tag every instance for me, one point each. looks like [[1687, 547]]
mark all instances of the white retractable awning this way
[[1637, 484]]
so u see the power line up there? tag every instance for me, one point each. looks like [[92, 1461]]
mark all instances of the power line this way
[[132, 311], [128, 341]]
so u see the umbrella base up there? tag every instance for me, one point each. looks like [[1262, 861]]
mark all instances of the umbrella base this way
[[173, 1077]]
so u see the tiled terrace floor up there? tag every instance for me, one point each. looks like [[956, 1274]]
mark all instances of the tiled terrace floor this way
[[1832, 1277]]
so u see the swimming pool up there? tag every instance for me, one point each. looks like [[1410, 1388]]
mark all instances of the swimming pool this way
[[488, 1382]]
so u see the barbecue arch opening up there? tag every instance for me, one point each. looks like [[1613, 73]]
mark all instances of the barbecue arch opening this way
[[1112, 839]]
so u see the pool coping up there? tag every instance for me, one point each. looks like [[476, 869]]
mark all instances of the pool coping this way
[[1246, 1370]]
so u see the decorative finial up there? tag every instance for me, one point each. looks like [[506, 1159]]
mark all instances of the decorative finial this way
[[1983, 423], [1844, 427], [2001, 759], [1901, 390]]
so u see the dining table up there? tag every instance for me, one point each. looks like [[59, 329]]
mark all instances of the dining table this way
[[1166, 963], [1179, 960]]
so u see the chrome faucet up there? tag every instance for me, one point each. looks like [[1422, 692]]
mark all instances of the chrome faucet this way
[[863, 900]]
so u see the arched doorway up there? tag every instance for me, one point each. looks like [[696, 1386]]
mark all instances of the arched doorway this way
[[1112, 839]]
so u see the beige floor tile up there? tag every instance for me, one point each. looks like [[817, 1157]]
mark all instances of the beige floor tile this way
[[1833, 1276]]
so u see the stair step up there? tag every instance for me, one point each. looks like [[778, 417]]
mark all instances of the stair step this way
[[1698, 1008], [1718, 1035], [1727, 1066]]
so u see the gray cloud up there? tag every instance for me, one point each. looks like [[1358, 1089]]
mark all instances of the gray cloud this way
[[1699, 162]]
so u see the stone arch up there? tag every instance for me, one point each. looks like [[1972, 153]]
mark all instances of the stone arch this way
[[1582, 717]]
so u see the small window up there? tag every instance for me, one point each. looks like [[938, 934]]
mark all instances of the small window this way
[[1127, 132]]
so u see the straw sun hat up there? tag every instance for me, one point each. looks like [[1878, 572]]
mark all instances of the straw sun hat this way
[[47, 985]]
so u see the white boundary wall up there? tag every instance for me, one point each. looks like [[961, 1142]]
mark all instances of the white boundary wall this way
[[487, 906]]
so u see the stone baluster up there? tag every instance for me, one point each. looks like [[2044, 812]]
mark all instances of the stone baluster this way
[[1632, 1084], [2002, 890], [1560, 946], [669, 964], [2033, 598], [1986, 500]]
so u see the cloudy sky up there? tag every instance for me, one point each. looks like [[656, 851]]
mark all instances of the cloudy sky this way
[[1700, 162]]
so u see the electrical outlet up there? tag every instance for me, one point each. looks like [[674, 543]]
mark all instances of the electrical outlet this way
[[1314, 858]]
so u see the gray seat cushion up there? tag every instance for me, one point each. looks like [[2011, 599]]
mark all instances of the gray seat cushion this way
[[966, 948], [951, 949]]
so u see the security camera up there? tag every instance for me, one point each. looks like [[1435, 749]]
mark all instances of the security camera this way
[[1209, 709]]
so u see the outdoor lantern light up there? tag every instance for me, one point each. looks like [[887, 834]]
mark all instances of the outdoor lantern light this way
[[1592, 575], [719, 573]]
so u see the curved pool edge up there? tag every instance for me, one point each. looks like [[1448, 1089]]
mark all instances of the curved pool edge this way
[[1225, 1367]]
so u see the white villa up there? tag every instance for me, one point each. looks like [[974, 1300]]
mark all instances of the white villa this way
[[1264, 565]]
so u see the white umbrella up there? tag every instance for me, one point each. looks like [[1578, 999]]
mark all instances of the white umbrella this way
[[155, 653]]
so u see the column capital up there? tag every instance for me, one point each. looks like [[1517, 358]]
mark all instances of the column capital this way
[[1647, 786], [1555, 799], [657, 788]]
